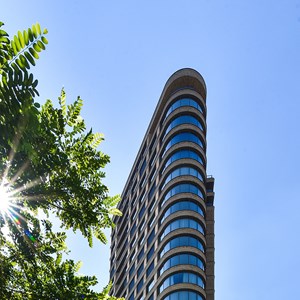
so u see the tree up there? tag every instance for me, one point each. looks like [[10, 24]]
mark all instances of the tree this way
[[48, 163]]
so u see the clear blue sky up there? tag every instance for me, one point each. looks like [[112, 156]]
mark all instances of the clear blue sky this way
[[117, 55]]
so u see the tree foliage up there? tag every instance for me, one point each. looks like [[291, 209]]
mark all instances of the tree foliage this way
[[48, 163]]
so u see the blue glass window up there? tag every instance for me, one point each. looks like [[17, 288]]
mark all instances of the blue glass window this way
[[151, 237], [182, 223], [182, 241], [182, 205], [182, 259], [184, 153], [183, 137], [150, 253], [181, 277], [182, 188], [141, 254], [184, 102], [141, 213], [131, 270], [131, 297], [182, 171], [150, 268], [131, 284], [185, 119], [186, 295], [140, 270], [140, 285]]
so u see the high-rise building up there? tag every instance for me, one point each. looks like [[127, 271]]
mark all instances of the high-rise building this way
[[163, 245]]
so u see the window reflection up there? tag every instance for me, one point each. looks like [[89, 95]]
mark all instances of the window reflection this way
[[182, 259], [182, 277], [184, 153], [182, 188], [186, 295], [182, 205], [183, 137], [182, 223], [182, 241], [185, 119], [184, 102], [182, 171]]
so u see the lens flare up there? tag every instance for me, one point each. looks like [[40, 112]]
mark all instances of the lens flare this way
[[4, 199]]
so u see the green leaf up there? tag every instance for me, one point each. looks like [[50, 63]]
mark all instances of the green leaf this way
[[33, 53], [38, 27], [30, 35], [30, 58], [34, 31], [41, 45], [20, 64], [24, 61], [44, 40], [17, 43], [26, 37], [14, 47], [36, 47], [21, 39], [115, 212]]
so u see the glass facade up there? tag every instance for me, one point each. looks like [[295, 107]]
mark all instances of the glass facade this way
[[182, 223], [185, 119], [182, 241], [181, 277], [183, 295], [181, 154], [182, 188], [184, 137], [184, 102], [183, 171], [182, 205], [182, 259]]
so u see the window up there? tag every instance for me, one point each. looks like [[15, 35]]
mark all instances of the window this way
[[181, 277], [150, 285], [184, 119], [133, 229], [182, 259], [186, 295], [141, 254], [182, 188], [180, 154], [151, 221], [140, 285], [150, 268], [140, 270], [131, 297], [151, 237], [182, 205], [182, 241], [183, 171], [152, 191], [141, 213], [182, 223], [183, 137], [131, 270], [184, 102], [150, 253], [131, 284], [143, 166]]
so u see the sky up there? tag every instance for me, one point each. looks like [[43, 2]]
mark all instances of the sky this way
[[117, 55]]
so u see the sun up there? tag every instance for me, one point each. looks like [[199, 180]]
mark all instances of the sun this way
[[4, 199]]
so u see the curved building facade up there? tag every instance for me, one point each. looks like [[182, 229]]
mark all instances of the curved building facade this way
[[163, 245]]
